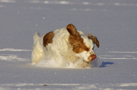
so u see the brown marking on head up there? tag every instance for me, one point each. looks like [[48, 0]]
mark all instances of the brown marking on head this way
[[94, 39], [48, 38], [75, 40]]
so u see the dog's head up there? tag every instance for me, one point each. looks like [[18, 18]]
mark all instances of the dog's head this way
[[81, 44]]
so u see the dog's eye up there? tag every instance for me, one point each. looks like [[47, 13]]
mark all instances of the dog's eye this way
[[75, 45], [87, 49]]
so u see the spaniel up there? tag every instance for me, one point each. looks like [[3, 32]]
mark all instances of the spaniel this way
[[66, 47]]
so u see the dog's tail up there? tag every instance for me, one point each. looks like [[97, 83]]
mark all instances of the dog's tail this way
[[36, 37], [37, 52]]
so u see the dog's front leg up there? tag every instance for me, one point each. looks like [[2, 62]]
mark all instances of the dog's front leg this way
[[85, 64]]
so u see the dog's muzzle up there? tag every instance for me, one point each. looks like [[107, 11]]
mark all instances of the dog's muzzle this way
[[92, 57]]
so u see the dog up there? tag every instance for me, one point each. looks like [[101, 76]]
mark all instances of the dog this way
[[64, 47]]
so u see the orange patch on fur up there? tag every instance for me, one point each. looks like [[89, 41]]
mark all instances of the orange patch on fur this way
[[75, 40], [48, 38]]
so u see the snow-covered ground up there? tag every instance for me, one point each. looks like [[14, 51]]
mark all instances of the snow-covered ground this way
[[114, 22]]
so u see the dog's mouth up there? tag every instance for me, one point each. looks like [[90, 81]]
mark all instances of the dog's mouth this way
[[91, 58]]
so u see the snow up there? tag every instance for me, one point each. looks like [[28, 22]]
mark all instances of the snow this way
[[112, 21]]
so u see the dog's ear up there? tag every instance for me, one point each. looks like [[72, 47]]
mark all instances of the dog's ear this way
[[74, 37], [48, 38], [94, 39], [72, 30]]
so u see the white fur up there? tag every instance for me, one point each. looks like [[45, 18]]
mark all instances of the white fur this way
[[59, 53]]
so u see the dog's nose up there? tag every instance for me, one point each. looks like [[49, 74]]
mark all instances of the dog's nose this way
[[92, 57]]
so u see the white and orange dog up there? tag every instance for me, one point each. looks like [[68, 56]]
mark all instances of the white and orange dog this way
[[64, 47]]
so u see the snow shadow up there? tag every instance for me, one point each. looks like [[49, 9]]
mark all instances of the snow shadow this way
[[104, 64]]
